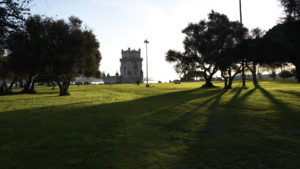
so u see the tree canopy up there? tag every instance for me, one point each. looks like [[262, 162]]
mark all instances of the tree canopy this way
[[29, 50], [12, 13], [48, 49], [292, 9], [204, 45], [75, 51], [282, 43]]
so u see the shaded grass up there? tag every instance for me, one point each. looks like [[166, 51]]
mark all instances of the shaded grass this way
[[165, 126]]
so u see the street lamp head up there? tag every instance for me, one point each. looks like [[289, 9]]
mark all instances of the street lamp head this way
[[146, 41]]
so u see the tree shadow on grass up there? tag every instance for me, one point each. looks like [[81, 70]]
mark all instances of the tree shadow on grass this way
[[178, 124], [291, 92], [115, 135], [282, 108], [215, 145], [233, 137], [285, 114], [189, 129]]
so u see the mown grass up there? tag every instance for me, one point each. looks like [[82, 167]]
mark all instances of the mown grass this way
[[166, 126]]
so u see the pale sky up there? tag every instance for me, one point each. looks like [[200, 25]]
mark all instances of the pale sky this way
[[119, 24]]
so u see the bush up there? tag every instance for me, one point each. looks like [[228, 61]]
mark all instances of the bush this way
[[286, 74]]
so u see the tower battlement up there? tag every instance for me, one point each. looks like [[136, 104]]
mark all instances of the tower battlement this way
[[131, 54]]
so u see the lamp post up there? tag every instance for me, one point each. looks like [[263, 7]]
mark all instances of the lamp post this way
[[241, 16], [243, 60], [146, 42]]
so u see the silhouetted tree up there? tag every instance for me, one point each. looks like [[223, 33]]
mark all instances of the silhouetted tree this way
[[273, 74], [229, 65], [183, 65], [230, 60], [254, 54], [75, 51], [292, 9], [3, 74], [286, 74], [252, 50], [6, 72], [29, 50], [191, 75], [12, 13], [204, 43], [282, 44], [294, 72]]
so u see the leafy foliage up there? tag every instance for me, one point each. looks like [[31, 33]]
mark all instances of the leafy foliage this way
[[282, 44], [53, 50], [29, 50], [286, 74], [75, 51], [12, 13], [292, 9], [204, 45]]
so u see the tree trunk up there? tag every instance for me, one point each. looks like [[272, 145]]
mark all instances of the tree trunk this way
[[53, 86], [229, 86], [243, 73], [21, 84], [225, 82], [9, 89], [32, 90], [64, 91], [231, 77], [3, 87], [29, 86], [208, 83], [63, 88], [255, 82], [254, 77]]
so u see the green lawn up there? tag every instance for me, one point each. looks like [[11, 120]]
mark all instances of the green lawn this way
[[166, 126]]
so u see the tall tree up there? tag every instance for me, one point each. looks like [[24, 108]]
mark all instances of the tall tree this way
[[29, 50], [3, 74], [75, 52], [7, 74], [253, 56], [292, 9], [230, 61], [251, 49], [12, 13], [204, 44], [283, 42], [289, 31], [183, 65]]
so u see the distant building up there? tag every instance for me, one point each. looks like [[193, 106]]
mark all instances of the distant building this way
[[87, 80], [131, 69], [112, 79]]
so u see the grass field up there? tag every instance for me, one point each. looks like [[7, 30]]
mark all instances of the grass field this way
[[166, 126]]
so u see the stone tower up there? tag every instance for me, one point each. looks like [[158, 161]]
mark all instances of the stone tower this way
[[131, 66]]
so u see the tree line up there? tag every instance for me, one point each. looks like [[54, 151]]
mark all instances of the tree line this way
[[220, 45], [42, 49]]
